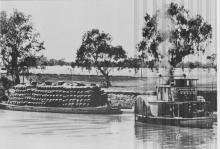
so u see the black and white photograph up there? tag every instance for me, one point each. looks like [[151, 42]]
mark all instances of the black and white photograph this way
[[109, 74]]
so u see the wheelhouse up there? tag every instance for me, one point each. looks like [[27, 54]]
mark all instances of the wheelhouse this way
[[178, 90]]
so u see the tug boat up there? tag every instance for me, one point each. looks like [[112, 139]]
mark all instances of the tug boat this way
[[175, 103], [59, 99]]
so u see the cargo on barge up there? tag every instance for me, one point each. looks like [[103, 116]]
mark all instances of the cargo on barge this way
[[60, 99]]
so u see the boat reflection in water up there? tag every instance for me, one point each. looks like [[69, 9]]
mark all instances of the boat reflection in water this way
[[173, 137]]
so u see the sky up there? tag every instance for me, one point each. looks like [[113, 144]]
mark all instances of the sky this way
[[61, 23]]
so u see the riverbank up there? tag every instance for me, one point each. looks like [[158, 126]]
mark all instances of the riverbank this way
[[119, 83]]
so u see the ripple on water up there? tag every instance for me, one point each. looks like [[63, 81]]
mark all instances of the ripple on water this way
[[96, 131]]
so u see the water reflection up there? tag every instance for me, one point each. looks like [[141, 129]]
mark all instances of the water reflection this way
[[166, 137], [24, 130]]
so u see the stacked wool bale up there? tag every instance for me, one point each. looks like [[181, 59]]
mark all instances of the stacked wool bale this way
[[126, 101], [59, 96]]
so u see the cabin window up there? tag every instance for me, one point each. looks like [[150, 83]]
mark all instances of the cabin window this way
[[180, 83], [187, 83], [173, 83], [184, 83]]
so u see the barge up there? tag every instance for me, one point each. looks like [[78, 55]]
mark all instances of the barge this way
[[59, 99], [78, 110], [175, 103]]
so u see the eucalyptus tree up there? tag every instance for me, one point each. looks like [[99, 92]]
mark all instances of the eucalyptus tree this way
[[18, 41], [97, 51], [187, 35]]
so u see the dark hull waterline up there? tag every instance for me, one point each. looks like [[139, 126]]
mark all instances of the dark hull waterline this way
[[84, 110], [195, 122]]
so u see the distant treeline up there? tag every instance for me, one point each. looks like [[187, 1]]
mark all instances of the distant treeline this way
[[43, 61], [129, 63], [195, 64]]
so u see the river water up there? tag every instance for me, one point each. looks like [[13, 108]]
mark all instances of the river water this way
[[32, 130]]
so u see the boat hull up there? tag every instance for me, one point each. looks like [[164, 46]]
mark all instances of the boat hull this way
[[196, 122], [85, 110]]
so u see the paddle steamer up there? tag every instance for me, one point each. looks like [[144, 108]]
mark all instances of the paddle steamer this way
[[175, 103]]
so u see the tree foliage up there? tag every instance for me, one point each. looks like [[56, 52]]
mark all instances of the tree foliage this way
[[147, 48], [19, 42], [6, 82], [96, 51], [212, 60], [30, 61], [188, 36]]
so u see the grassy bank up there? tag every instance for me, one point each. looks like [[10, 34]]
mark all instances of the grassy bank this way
[[119, 83]]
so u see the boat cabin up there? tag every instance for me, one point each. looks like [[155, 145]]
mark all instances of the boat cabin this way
[[178, 90]]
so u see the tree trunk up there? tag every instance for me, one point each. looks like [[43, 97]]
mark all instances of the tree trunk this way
[[15, 67], [17, 78], [170, 74], [107, 80], [106, 76]]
